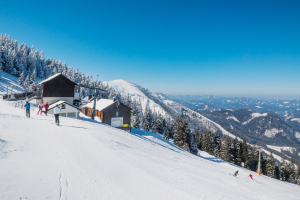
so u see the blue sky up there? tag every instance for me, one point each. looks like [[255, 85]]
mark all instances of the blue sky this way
[[226, 48]]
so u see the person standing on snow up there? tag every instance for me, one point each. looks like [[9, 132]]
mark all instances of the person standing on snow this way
[[251, 176], [236, 173], [56, 114], [46, 106], [41, 105], [27, 106]]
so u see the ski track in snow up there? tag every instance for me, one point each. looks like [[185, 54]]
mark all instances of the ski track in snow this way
[[88, 160]]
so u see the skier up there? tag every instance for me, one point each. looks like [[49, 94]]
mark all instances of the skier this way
[[56, 114], [27, 106], [46, 106], [41, 105], [236, 173], [251, 176]]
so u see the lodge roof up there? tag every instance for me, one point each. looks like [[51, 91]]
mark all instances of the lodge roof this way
[[54, 76], [51, 106], [101, 104]]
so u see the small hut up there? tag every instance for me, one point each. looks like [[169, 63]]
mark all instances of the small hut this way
[[110, 112]]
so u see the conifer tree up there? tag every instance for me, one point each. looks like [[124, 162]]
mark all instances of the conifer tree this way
[[112, 94], [199, 138], [166, 134], [193, 144], [146, 125], [0, 70], [9, 64], [239, 153], [225, 148], [179, 135], [270, 166], [32, 82], [298, 174], [207, 141], [245, 153], [21, 79], [282, 166], [1, 62], [153, 128], [217, 149], [147, 115], [187, 131], [159, 124], [26, 83]]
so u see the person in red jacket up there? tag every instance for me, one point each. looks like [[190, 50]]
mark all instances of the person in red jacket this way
[[46, 106], [41, 105], [251, 176]]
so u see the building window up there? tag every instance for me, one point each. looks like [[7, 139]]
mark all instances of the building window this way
[[63, 106]]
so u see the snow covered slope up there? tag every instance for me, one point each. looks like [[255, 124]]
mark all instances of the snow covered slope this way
[[162, 104], [13, 82], [88, 160]]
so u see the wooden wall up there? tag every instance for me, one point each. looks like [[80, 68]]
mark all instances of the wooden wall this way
[[110, 112], [59, 86], [89, 112]]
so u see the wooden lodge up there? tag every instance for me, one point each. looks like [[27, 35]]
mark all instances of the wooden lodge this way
[[59, 90], [58, 87], [110, 112]]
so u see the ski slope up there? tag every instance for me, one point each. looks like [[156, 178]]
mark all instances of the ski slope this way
[[88, 160]]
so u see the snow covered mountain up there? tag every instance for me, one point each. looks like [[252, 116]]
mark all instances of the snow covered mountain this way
[[264, 128], [88, 160], [160, 103]]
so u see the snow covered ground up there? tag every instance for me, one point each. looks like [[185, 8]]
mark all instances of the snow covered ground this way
[[13, 82], [83, 159], [279, 149]]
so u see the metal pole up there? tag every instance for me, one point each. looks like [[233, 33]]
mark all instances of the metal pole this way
[[94, 109], [258, 168]]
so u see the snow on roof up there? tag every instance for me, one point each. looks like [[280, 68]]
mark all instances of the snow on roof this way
[[60, 102], [100, 104], [54, 76]]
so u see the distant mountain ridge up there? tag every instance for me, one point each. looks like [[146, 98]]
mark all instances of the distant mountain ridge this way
[[160, 103]]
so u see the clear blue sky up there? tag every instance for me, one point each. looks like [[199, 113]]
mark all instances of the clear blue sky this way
[[226, 48]]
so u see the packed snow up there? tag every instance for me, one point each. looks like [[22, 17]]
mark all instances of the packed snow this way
[[233, 118], [296, 119], [254, 115], [270, 133], [279, 149], [84, 159]]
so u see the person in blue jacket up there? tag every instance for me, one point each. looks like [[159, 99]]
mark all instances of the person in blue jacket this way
[[27, 106]]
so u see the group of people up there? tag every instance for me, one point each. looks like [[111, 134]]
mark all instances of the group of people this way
[[237, 173], [40, 111], [41, 106]]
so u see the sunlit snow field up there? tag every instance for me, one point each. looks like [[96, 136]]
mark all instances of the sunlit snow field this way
[[88, 160]]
